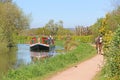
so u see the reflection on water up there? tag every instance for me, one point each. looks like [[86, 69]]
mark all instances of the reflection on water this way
[[23, 55], [14, 58], [7, 59]]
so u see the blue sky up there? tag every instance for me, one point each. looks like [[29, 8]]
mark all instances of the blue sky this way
[[71, 12]]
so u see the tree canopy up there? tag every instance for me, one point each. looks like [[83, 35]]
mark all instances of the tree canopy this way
[[12, 20]]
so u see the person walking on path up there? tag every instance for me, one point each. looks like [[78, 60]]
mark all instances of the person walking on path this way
[[99, 44]]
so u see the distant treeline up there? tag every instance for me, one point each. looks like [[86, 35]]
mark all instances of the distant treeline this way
[[27, 39]]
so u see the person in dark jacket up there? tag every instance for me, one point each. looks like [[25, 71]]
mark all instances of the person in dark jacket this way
[[99, 44]]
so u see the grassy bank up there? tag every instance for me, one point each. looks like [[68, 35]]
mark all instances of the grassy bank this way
[[40, 70], [100, 75]]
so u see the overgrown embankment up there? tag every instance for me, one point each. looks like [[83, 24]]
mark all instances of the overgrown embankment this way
[[40, 69], [111, 70]]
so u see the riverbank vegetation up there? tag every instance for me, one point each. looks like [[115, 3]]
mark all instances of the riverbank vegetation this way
[[14, 29], [12, 22], [111, 70], [110, 29], [40, 69]]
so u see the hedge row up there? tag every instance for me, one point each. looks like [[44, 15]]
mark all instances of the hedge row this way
[[26, 39]]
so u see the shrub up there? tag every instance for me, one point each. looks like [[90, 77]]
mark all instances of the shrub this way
[[85, 39], [112, 68]]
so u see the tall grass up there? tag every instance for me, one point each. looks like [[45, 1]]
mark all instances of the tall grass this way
[[40, 70]]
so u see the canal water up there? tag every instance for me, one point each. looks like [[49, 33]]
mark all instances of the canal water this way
[[23, 56], [14, 58]]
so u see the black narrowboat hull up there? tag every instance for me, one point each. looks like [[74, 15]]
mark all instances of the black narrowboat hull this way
[[39, 47]]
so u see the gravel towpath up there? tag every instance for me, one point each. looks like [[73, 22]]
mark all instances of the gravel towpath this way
[[83, 71]]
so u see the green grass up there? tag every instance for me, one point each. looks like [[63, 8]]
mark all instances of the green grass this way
[[59, 42], [43, 69], [100, 75]]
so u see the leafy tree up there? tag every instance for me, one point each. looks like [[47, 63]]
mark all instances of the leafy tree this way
[[42, 31], [13, 21], [95, 28], [52, 27], [113, 19], [112, 69]]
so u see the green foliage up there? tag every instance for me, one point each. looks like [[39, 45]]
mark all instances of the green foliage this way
[[60, 37], [7, 58], [110, 24], [70, 45], [113, 59], [111, 45], [23, 39], [59, 42], [12, 21], [55, 28], [107, 40], [43, 30], [53, 64], [85, 39], [52, 27], [111, 70], [95, 28]]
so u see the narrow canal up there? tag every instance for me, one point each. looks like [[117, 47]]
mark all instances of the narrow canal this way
[[16, 57]]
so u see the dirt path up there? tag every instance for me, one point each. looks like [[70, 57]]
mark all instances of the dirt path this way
[[83, 71]]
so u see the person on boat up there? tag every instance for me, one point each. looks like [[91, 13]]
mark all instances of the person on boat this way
[[51, 44], [44, 40], [33, 41], [38, 40], [50, 40]]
